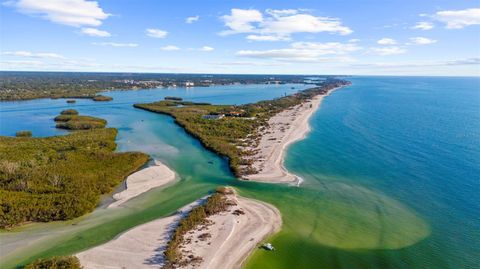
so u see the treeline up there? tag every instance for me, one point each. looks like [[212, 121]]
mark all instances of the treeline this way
[[59, 177], [229, 135], [214, 204], [32, 85]]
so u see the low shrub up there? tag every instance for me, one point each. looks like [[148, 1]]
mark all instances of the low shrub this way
[[66, 262]]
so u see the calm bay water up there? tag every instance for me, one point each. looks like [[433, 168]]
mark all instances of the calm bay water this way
[[391, 169]]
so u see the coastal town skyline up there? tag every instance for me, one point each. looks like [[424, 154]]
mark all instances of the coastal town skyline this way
[[428, 38]]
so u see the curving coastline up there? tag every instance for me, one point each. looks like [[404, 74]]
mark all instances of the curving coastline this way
[[284, 129], [142, 181]]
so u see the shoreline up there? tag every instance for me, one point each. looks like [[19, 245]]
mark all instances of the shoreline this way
[[143, 245], [154, 176], [285, 128]]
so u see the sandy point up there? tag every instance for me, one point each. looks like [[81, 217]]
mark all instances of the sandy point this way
[[142, 181], [284, 129]]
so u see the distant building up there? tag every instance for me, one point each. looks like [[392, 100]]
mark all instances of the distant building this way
[[189, 84], [213, 117], [235, 113]]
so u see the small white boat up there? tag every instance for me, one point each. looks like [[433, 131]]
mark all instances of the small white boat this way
[[268, 246]]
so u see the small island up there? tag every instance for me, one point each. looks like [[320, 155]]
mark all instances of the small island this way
[[102, 98], [70, 119], [23, 133]]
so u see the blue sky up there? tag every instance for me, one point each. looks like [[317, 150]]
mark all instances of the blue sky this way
[[379, 37]]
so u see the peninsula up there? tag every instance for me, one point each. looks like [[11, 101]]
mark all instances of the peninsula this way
[[252, 136]]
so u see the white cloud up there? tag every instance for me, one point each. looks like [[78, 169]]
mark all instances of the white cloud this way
[[206, 48], [114, 44], [303, 52], [156, 33], [354, 40], [75, 13], [47, 55], [95, 32], [241, 20], [21, 64], [243, 63], [386, 41], [422, 41], [279, 24], [192, 19], [391, 50], [267, 38], [423, 25], [457, 19], [304, 23], [459, 62], [468, 61], [281, 12], [170, 48]]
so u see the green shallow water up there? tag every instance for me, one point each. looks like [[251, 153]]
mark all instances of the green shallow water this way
[[374, 195]]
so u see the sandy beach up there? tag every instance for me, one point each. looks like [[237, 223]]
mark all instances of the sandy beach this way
[[231, 238], [284, 129], [142, 181]]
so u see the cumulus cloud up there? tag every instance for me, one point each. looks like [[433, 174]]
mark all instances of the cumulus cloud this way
[[279, 24], [457, 19], [170, 48], [423, 25], [206, 48], [75, 13], [384, 51], [192, 19], [156, 33], [304, 52], [46, 55], [95, 32], [267, 38], [114, 44], [241, 21], [386, 41], [421, 41]]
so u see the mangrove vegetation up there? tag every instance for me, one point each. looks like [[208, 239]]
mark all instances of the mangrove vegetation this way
[[59, 177], [70, 119]]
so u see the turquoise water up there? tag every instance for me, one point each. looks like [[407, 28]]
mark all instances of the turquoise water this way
[[391, 169], [416, 140]]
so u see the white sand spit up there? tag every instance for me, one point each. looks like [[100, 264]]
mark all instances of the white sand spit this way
[[285, 128], [142, 181], [141, 247], [231, 238]]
